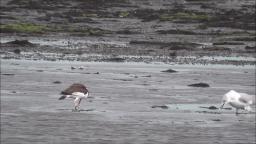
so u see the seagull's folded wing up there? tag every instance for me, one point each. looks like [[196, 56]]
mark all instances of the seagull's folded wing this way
[[245, 98]]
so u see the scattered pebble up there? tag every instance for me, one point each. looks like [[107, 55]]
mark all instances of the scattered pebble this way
[[199, 121], [153, 89], [146, 76], [216, 120], [123, 79], [145, 84], [208, 112]]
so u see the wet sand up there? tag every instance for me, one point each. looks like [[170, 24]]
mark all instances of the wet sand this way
[[121, 108]]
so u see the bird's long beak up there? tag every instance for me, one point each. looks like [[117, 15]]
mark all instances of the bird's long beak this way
[[221, 107]]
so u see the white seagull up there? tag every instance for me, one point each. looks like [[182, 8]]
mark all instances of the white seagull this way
[[238, 100], [77, 92]]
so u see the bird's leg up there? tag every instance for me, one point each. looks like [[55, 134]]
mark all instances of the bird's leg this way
[[236, 111]]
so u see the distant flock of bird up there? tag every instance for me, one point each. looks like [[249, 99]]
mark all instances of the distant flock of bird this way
[[237, 100]]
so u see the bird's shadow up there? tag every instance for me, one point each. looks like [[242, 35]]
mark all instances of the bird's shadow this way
[[244, 113], [72, 110]]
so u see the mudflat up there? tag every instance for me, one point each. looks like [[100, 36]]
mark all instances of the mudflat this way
[[156, 71], [131, 103]]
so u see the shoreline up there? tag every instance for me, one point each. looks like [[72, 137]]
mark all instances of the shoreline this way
[[180, 60]]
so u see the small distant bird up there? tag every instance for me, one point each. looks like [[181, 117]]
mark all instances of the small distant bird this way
[[77, 92], [238, 100]]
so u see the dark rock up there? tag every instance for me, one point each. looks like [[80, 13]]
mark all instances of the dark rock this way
[[211, 107], [198, 121], [145, 84], [203, 85], [176, 31], [216, 120], [148, 42], [21, 43], [57, 82], [153, 89], [228, 108], [116, 59], [253, 48], [160, 106], [123, 79], [17, 51], [228, 43], [146, 76], [208, 112], [8, 74], [214, 48], [244, 39], [127, 32], [170, 71]]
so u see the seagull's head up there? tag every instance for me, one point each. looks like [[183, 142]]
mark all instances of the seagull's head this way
[[224, 101]]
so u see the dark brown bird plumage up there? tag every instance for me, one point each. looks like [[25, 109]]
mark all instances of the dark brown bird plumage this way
[[76, 87]]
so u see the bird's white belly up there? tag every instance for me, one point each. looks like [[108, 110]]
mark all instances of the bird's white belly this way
[[80, 95]]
